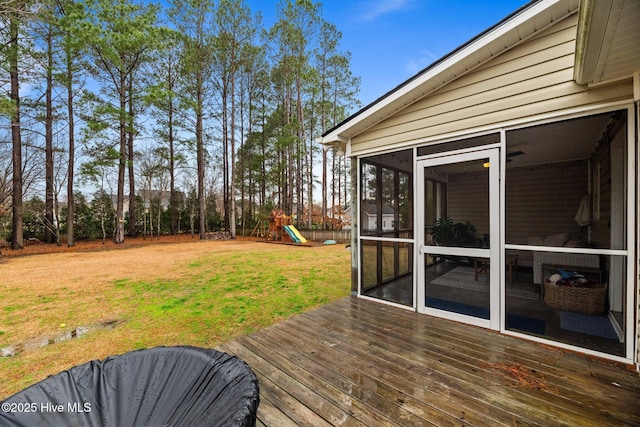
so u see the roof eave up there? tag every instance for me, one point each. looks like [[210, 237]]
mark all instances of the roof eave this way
[[592, 25], [447, 69]]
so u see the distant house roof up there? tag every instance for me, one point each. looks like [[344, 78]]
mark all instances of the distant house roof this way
[[163, 195], [371, 209]]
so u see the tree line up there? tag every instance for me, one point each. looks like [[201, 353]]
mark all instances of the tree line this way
[[194, 102]]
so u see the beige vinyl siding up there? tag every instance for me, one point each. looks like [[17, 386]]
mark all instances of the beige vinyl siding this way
[[533, 78], [542, 200], [537, 61], [468, 200]]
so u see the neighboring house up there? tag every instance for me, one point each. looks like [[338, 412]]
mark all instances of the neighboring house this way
[[316, 215], [345, 217], [335, 218], [163, 195], [369, 215], [148, 195], [125, 202], [527, 136]]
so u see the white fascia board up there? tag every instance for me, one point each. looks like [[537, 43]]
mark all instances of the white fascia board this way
[[592, 27], [447, 68]]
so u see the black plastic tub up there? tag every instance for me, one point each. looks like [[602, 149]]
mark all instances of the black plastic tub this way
[[162, 386]]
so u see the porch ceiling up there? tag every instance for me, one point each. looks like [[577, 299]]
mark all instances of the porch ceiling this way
[[561, 141], [607, 44], [557, 142]]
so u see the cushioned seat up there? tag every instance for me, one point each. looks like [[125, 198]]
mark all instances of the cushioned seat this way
[[162, 386], [566, 259]]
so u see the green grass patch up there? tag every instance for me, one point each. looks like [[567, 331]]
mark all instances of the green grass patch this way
[[224, 296], [204, 301]]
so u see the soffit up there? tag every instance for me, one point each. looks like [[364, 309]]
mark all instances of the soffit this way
[[608, 45], [548, 143], [512, 31]]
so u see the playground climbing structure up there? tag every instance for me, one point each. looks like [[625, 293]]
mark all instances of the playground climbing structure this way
[[278, 227]]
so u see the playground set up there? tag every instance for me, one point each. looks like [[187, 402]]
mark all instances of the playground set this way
[[278, 228]]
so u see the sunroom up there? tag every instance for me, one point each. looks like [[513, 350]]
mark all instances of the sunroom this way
[[498, 186]]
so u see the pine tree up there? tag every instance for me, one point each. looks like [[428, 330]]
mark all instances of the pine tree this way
[[123, 35], [192, 20], [69, 19], [236, 31]]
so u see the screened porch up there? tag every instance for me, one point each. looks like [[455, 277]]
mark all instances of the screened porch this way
[[554, 263]]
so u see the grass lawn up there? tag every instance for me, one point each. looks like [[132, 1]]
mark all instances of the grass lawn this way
[[195, 293]]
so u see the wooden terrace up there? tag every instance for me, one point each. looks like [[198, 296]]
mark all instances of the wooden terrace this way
[[356, 362]]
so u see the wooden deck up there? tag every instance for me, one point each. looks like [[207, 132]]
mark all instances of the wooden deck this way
[[356, 362]]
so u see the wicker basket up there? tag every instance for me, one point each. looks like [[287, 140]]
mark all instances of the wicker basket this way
[[590, 300]]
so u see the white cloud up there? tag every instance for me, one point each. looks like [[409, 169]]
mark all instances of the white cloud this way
[[425, 59], [373, 9]]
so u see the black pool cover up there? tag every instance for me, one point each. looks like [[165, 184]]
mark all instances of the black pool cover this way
[[162, 386]]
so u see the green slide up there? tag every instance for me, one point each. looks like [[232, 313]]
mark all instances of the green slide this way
[[294, 234]]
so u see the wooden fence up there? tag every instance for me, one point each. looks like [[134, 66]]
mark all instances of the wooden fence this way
[[340, 236]]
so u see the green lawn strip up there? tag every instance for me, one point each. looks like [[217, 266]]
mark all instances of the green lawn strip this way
[[224, 298]]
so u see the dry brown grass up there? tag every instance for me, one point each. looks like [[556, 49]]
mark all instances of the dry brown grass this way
[[46, 294], [81, 275]]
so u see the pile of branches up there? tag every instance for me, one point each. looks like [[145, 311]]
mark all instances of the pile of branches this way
[[217, 235]]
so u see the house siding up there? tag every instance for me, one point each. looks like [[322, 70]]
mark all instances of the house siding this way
[[536, 206], [469, 189], [533, 78]]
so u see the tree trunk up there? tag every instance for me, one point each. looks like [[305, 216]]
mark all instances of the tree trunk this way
[[102, 216], [225, 153], [150, 204], [119, 234], [17, 241], [48, 137], [192, 216], [263, 155], [333, 180], [158, 225], [243, 172], [200, 156], [289, 178], [300, 148], [131, 155], [70, 171], [172, 160], [323, 120], [339, 185], [324, 188], [232, 186], [310, 179]]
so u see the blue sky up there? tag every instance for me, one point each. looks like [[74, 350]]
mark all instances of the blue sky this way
[[391, 40]]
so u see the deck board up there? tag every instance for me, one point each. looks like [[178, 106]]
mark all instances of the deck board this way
[[356, 362], [475, 354]]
